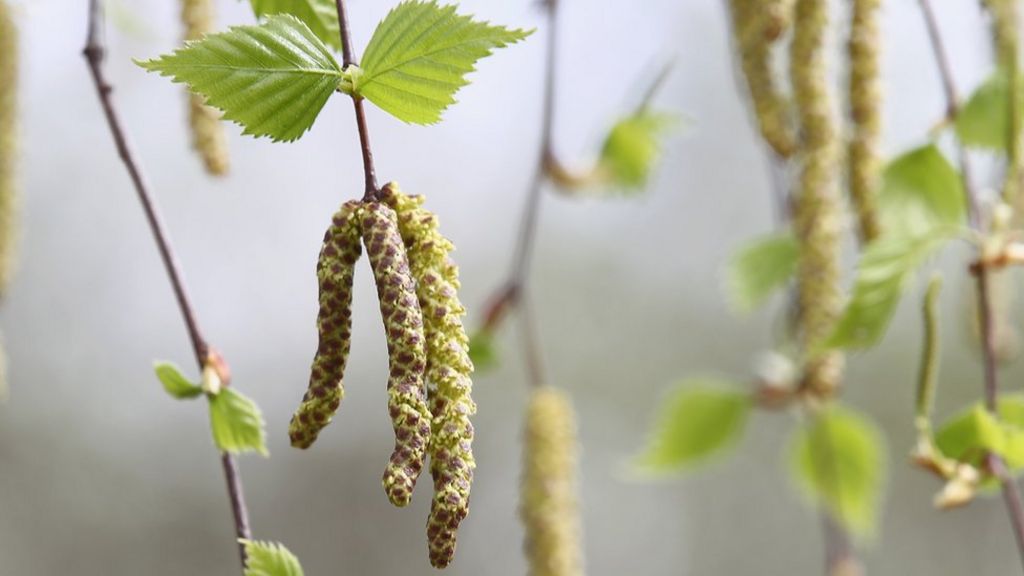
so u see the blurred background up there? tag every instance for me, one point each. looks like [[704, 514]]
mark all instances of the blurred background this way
[[101, 473]]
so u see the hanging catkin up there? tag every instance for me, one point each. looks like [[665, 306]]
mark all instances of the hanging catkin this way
[[866, 115], [208, 136], [8, 144], [403, 324], [817, 213], [757, 24], [448, 370], [335, 269], [548, 505]]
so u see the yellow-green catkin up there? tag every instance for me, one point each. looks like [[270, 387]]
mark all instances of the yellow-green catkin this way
[[208, 138], [448, 370], [403, 325], [335, 269], [548, 505], [8, 144], [817, 204], [757, 25], [866, 116]]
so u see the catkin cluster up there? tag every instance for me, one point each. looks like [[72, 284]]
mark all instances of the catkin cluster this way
[[208, 138], [8, 143], [548, 503], [429, 381], [866, 115], [817, 205], [448, 370], [335, 270], [757, 25]]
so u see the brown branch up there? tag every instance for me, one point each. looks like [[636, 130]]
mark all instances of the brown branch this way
[[349, 59], [1011, 492], [94, 53]]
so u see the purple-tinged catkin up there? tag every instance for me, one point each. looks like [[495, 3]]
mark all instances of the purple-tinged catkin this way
[[448, 370], [866, 116], [208, 138], [548, 502], [403, 324], [817, 204], [335, 269]]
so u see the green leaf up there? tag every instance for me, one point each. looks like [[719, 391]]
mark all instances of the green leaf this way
[[882, 275], [174, 383], [970, 434], [839, 460], [273, 79], [632, 148], [761, 268], [237, 423], [698, 420], [482, 352], [419, 56], [920, 191], [983, 120], [320, 15], [269, 559]]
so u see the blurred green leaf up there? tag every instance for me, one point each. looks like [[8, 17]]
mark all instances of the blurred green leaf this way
[[269, 559], [237, 423], [967, 436], [839, 460], [482, 351], [882, 274], [983, 120], [320, 15], [174, 383], [273, 79], [920, 191], [419, 56], [633, 147], [699, 419], [761, 268]]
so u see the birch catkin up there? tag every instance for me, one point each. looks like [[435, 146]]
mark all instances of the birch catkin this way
[[548, 505], [866, 115], [448, 370], [8, 144], [756, 25], [208, 138], [403, 324], [817, 214], [335, 270]]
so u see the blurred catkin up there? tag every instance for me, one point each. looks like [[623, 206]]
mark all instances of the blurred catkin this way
[[866, 115], [548, 502], [817, 205], [335, 269], [403, 326], [208, 136], [448, 370], [757, 25], [8, 144]]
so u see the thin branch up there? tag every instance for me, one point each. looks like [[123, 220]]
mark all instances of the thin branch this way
[[1011, 492], [94, 53], [349, 59]]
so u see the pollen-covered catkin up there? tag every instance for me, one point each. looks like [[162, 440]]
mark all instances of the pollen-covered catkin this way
[[403, 324], [817, 210], [208, 138], [866, 116], [8, 143], [335, 269], [548, 504], [756, 26], [448, 370]]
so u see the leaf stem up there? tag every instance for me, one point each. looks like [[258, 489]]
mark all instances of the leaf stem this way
[[94, 52], [1011, 492], [349, 59]]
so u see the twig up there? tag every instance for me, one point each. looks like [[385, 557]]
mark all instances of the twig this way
[[1011, 492], [94, 53], [349, 59]]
